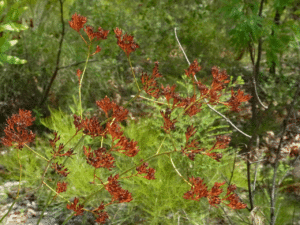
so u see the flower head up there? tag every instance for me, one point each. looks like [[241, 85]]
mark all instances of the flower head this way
[[126, 42], [77, 22], [16, 130]]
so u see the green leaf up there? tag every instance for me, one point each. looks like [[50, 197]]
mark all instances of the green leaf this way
[[3, 41], [15, 12], [2, 6], [11, 59], [5, 44], [240, 81], [11, 26]]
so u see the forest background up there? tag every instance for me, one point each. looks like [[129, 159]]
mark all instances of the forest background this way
[[251, 40]]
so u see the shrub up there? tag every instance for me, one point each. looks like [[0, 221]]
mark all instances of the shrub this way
[[178, 130]]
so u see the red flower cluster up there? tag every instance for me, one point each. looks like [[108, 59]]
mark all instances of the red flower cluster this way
[[77, 24], [193, 69], [90, 126], [78, 209], [100, 34], [199, 190], [61, 187], [16, 130], [150, 172], [117, 193], [126, 42], [169, 124], [191, 148], [235, 101], [150, 84], [60, 148], [101, 158], [192, 106], [59, 169], [119, 113]]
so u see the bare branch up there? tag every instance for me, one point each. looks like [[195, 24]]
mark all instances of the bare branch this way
[[78, 63], [183, 50], [58, 55], [256, 95]]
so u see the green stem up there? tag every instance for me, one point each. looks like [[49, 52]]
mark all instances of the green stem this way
[[36, 153], [10, 208], [161, 145], [161, 103], [177, 171], [133, 74], [56, 180], [80, 83], [20, 176], [55, 192]]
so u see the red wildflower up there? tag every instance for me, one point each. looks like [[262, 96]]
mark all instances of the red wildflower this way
[[91, 126], [192, 110], [214, 155], [193, 69], [101, 34], [130, 147], [169, 93], [105, 104], [192, 153], [235, 202], [168, 124], [78, 209], [199, 189], [202, 88], [60, 148], [150, 84], [61, 187], [59, 169], [222, 142], [150, 172], [16, 130], [99, 158], [126, 42], [114, 130], [235, 101], [214, 200], [116, 191], [119, 113], [102, 216], [215, 190], [230, 188], [77, 22], [219, 79]]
